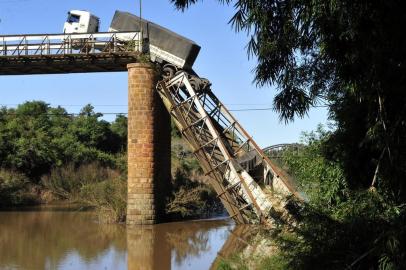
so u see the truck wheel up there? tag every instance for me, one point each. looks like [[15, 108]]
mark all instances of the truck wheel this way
[[195, 83], [168, 71], [205, 83]]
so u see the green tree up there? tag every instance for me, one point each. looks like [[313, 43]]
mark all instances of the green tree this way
[[35, 137], [26, 144], [349, 55], [320, 179], [119, 129]]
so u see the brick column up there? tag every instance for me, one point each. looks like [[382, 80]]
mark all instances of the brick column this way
[[148, 147]]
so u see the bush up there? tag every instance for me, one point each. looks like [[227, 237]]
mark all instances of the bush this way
[[321, 180], [14, 189], [67, 181], [109, 197], [91, 184]]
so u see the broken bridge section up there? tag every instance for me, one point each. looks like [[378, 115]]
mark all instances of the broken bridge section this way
[[251, 187], [68, 53]]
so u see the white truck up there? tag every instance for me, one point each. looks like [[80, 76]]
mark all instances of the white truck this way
[[80, 21]]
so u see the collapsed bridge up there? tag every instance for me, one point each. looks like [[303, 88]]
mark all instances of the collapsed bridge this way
[[251, 187]]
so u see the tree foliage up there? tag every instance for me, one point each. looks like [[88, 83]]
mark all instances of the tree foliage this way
[[321, 180], [35, 137], [341, 228], [349, 55]]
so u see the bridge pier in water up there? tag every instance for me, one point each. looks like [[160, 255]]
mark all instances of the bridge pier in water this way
[[149, 147]]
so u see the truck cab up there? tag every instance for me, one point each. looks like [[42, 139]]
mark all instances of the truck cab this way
[[81, 21]]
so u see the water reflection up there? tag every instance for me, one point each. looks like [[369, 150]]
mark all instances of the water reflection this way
[[237, 240], [55, 239], [176, 245]]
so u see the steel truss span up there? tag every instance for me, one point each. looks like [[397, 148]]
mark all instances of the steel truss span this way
[[68, 53], [251, 187]]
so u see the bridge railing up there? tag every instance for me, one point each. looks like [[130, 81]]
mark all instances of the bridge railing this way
[[276, 151], [63, 44]]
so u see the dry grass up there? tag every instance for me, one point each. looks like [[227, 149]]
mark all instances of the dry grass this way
[[91, 184]]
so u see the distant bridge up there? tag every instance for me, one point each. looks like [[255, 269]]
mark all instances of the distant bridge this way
[[274, 151]]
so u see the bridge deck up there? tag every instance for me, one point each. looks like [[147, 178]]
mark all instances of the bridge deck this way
[[68, 53]]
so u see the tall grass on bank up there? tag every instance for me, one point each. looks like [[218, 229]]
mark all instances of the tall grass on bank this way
[[91, 184], [109, 197], [68, 181], [191, 199]]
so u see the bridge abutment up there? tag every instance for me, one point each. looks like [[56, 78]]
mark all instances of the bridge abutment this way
[[149, 168]]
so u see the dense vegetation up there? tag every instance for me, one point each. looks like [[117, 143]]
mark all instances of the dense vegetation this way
[[49, 155], [35, 137], [343, 227], [37, 142], [340, 228]]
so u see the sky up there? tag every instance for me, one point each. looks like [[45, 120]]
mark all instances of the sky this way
[[222, 59]]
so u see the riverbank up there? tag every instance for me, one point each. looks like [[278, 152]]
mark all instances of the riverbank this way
[[48, 155], [105, 188]]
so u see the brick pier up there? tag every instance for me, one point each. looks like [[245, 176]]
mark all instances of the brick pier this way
[[149, 149]]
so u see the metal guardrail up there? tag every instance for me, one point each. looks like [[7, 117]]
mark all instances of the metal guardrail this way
[[63, 44], [68, 53]]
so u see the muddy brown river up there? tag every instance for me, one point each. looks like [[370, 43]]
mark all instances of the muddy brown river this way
[[61, 238]]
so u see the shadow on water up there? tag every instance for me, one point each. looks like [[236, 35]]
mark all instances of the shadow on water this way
[[57, 239]]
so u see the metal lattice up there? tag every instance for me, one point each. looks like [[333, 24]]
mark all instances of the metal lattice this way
[[246, 181]]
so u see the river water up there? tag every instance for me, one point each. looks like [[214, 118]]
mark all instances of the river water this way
[[61, 238]]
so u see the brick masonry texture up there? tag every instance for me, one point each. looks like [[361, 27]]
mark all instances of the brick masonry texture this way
[[149, 149]]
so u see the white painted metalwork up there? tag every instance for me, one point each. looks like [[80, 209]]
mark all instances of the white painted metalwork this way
[[250, 186]]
